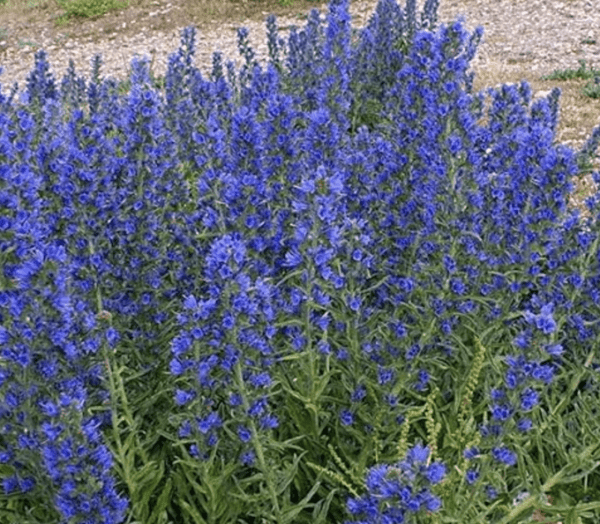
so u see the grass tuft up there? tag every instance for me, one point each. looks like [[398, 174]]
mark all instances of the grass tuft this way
[[581, 73]]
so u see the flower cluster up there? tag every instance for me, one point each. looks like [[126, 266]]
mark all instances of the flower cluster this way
[[399, 491]]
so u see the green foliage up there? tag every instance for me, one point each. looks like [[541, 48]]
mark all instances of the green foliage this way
[[592, 89], [582, 73], [90, 8]]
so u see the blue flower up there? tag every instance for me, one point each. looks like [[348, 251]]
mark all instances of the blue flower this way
[[248, 458], [544, 321], [449, 264], [180, 344], [190, 302], [260, 380], [458, 286], [418, 454], [359, 393], [524, 424], [269, 421], [554, 350], [471, 453], [544, 373], [258, 407], [182, 397], [504, 455], [384, 375], [324, 347], [529, 399], [491, 492], [211, 421], [354, 303], [497, 394], [244, 434], [471, 476], [346, 417], [10, 484], [49, 408], [501, 411], [177, 367], [112, 336], [435, 472]]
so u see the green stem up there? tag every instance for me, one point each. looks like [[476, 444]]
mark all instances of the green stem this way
[[115, 423], [260, 455], [118, 390]]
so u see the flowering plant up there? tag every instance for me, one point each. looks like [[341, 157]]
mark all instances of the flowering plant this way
[[342, 287]]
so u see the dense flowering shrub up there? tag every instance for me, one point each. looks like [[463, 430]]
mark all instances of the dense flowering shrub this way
[[340, 286]]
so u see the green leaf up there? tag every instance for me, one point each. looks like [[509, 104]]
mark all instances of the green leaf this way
[[192, 512], [321, 508], [291, 515], [162, 503], [145, 481]]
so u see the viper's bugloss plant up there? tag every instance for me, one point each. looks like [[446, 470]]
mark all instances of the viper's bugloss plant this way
[[342, 287]]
